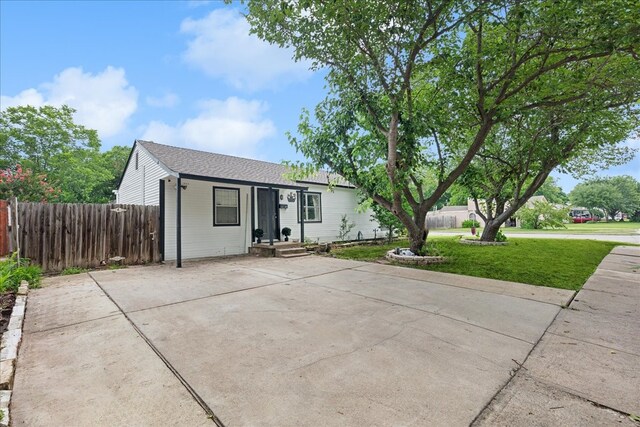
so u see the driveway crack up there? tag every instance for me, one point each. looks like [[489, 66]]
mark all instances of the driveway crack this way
[[210, 414]]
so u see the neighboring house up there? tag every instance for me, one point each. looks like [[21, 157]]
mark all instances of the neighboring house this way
[[224, 198], [449, 215]]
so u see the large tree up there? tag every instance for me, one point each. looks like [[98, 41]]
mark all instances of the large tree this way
[[34, 135], [417, 83], [611, 195], [48, 146], [520, 153]]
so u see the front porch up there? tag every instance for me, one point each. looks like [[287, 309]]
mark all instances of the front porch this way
[[278, 249]]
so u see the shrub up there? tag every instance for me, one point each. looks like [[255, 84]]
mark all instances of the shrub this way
[[543, 215], [500, 237], [12, 273], [345, 228], [468, 223]]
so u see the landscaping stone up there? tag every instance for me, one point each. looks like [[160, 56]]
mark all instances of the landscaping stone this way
[[23, 289], [10, 342], [15, 322], [413, 259], [7, 368], [5, 399]]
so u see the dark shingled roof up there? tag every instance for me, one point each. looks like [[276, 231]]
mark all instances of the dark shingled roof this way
[[211, 165]]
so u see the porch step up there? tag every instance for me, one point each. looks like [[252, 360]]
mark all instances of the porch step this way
[[290, 252], [294, 255]]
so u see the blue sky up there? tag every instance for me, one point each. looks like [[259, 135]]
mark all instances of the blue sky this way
[[178, 72]]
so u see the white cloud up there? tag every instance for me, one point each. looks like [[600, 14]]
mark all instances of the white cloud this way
[[233, 126], [223, 48], [167, 101], [104, 101]]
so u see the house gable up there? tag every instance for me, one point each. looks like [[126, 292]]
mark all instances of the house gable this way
[[139, 183]]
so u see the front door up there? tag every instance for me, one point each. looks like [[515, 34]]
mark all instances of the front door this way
[[264, 213]]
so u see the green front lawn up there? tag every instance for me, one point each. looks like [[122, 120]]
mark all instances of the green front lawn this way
[[564, 264], [611, 228]]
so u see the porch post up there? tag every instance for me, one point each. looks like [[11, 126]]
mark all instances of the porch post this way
[[253, 214], [270, 215], [178, 223], [301, 213], [162, 214]]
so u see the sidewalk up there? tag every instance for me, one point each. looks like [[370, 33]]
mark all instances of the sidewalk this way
[[586, 368], [634, 239]]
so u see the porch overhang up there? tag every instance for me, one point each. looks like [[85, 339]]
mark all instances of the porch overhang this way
[[181, 176], [242, 182]]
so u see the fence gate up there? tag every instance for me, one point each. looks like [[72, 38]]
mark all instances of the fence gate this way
[[58, 236]]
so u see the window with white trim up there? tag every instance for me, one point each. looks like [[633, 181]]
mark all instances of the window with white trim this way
[[312, 207], [226, 206]]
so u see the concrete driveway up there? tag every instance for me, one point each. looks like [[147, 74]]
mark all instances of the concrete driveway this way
[[272, 342]]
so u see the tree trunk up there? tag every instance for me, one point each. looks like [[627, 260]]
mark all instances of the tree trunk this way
[[417, 240], [490, 230]]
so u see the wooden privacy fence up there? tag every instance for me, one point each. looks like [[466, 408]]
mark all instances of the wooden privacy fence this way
[[441, 221], [58, 236]]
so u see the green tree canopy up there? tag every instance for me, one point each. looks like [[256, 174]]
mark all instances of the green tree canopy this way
[[552, 192], [46, 144], [415, 84], [610, 195]]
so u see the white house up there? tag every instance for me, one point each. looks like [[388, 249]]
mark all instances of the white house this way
[[211, 203]]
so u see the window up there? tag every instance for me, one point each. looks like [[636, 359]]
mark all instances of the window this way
[[226, 206], [312, 208]]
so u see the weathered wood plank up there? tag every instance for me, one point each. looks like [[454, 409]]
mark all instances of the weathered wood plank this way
[[58, 236]]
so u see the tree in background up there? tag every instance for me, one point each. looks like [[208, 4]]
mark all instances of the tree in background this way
[[415, 84], [543, 215], [520, 153], [612, 195], [34, 136], [552, 192], [45, 142], [25, 185]]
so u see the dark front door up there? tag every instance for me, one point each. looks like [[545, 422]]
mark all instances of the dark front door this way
[[264, 213]]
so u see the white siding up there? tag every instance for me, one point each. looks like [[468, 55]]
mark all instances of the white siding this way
[[141, 186], [199, 237], [335, 203]]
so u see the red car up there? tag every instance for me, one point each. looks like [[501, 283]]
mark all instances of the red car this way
[[583, 219]]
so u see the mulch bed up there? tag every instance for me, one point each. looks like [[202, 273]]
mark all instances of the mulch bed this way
[[7, 300]]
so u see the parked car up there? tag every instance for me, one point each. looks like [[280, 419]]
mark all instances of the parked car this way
[[585, 218]]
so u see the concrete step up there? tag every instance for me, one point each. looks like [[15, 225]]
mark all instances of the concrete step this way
[[295, 255], [282, 252]]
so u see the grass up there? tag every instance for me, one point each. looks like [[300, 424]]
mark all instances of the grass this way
[[13, 272], [611, 228], [565, 264], [73, 270]]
